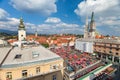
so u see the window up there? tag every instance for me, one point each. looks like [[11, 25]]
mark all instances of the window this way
[[117, 49], [37, 70], [116, 53], [110, 48], [116, 59], [110, 45], [35, 54], [117, 46], [104, 51], [18, 56], [110, 51], [54, 67], [9, 76], [104, 45], [54, 77], [24, 73]]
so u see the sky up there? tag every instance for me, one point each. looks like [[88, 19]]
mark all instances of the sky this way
[[60, 16]]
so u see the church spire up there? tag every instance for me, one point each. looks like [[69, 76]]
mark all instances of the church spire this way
[[92, 17], [92, 26], [21, 25]]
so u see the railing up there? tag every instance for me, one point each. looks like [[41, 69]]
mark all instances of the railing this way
[[80, 70]]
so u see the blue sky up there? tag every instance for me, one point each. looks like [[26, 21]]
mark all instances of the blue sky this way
[[60, 16]]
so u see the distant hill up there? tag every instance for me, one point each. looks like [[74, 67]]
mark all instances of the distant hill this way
[[10, 33], [7, 32]]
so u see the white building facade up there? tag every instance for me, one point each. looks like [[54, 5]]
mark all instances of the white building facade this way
[[85, 46]]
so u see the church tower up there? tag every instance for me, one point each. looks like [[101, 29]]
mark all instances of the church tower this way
[[86, 28], [21, 31], [92, 27], [36, 33]]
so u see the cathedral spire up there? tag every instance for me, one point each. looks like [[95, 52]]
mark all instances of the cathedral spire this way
[[92, 26], [92, 17], [86, 23], [86, 29]]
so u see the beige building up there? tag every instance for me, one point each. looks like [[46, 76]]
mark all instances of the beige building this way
[[108, 49], [30, 63]]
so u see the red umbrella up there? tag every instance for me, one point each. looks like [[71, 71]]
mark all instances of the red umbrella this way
[[75, 56]]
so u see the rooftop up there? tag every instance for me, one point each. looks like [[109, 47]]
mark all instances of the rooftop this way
[[26, 56], [113, 41]]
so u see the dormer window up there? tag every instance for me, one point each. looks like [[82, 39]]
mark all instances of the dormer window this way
[[35, 54], [18, 56]]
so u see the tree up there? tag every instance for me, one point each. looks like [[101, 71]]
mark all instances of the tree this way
[[45, 45]]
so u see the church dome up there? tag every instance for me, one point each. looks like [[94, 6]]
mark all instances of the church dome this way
[[21, 25]]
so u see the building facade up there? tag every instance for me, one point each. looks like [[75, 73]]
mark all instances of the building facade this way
[[108, 49], [105, 49], [84, 46], [30, 63]]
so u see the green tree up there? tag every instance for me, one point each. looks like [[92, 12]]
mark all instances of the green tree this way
[[45, 45]]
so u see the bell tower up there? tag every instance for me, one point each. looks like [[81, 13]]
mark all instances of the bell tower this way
[[92, 26], [86, 29], [21, 31]]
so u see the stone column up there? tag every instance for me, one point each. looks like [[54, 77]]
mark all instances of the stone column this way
[[101, 56], [106, 57], [119, 59], [113, 58]]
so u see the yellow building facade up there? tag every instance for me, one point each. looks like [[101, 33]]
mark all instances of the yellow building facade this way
[[109, 51], [50, 68]]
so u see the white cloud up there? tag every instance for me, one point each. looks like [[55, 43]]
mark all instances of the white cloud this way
[[45, 7], [3, 14], [9, 24], [6, 22], [57, 26], [98, 6], [107, 15], [53, 20]]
